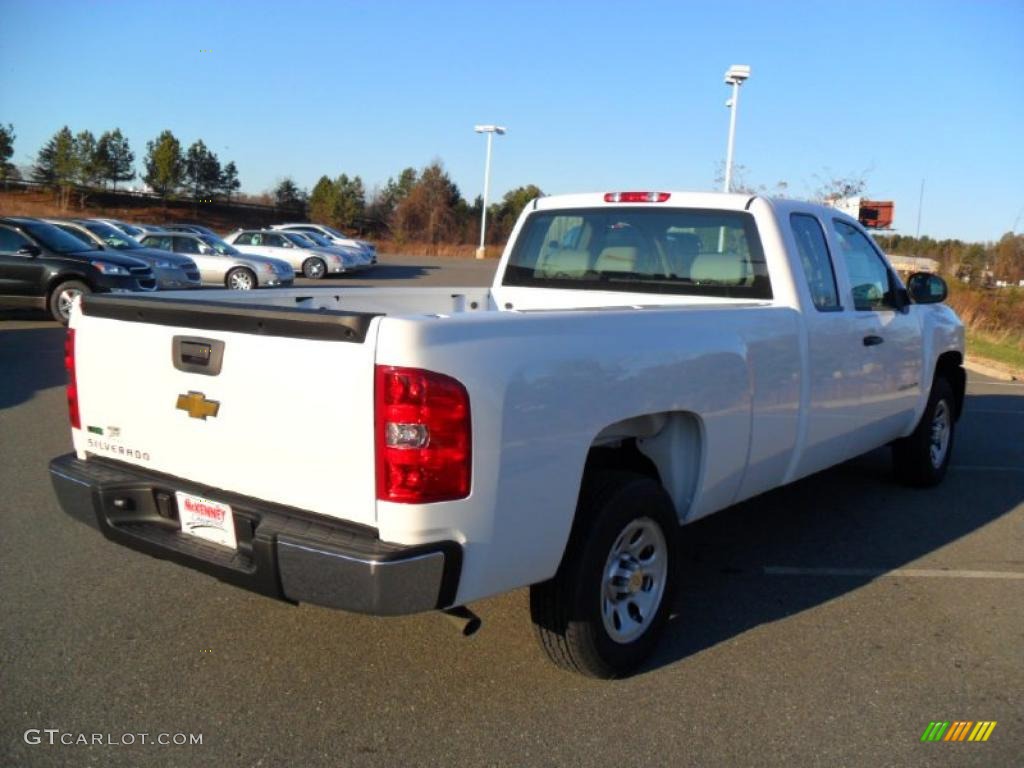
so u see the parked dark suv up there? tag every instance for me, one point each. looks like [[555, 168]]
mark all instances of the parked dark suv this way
[[44, 267]]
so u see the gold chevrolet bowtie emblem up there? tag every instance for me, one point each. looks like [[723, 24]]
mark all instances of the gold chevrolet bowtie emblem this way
[[197, 406]]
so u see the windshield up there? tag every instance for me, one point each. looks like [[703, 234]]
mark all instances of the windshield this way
[[318, 239], [55, 238], [300, 240], [671, 250], [334, 232], [220, 246], [130, 229], [111, 236]]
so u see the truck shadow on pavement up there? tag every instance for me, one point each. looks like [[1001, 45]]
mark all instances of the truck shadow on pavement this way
[[854, 516], [395, 272], [31, 359]]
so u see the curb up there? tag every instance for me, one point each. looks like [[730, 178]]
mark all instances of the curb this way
[[984, 369]]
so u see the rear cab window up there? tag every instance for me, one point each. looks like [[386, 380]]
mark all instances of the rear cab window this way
[[648, 250]]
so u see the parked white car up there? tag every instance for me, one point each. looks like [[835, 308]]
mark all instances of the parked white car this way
[[358, 256], [335, 236], [641, 360], [305, 256]]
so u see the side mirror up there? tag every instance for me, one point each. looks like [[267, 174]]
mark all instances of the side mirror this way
[[29, 251], [926, 288]]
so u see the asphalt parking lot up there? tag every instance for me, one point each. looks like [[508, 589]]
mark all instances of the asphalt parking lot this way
[[822, 624]]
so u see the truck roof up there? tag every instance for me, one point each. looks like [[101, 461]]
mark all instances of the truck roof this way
[[729, 201], [716, 200]]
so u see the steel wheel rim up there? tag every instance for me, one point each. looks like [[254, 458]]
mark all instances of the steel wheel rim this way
[[938, 443], [65, 300], [633, 580], [241, 281]]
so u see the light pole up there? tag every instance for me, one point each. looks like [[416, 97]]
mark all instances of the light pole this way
[[490, 130], [735, 76]]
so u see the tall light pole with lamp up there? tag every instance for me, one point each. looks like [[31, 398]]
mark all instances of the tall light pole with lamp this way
[[490, 130], [735, 76]]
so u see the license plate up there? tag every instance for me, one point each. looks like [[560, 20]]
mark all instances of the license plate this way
[[205, 519]]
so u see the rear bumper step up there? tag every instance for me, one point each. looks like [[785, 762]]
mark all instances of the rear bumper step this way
[[284, 553]]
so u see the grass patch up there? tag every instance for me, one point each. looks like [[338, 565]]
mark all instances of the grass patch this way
[[991, 348]]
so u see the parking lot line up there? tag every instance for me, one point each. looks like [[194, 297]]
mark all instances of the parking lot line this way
[[928, 573]]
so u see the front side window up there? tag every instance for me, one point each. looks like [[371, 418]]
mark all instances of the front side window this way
[[870, 279], [817, 264], [670, 250], [11, 241], [274, 241]]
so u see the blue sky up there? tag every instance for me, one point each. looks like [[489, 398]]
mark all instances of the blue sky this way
[[596, 95]]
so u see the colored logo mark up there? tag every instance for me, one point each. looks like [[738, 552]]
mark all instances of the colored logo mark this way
[[958, 730]]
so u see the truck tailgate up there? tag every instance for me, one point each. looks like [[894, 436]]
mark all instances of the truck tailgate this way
[[288, 417]]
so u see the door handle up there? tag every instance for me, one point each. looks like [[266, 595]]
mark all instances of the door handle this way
[[872, 340]]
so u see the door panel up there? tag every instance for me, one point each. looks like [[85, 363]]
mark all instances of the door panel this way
[[886, 341]]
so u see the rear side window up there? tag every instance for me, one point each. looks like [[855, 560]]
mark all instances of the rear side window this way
[[817, 264], [244, 239], [164, 243], [186, 245], [649, 250], [870, 279]]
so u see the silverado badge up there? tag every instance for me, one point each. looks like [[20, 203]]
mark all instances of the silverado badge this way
[[197, 406]]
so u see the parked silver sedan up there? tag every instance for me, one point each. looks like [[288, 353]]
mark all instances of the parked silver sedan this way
[[222, 265], [305, 256]]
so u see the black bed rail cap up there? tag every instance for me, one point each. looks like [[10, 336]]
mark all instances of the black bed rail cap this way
[[237, 317]]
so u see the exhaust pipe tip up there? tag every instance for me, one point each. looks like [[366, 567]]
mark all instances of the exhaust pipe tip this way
[[463, 618]]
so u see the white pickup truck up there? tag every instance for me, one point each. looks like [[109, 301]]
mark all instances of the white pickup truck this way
[[640, 361]]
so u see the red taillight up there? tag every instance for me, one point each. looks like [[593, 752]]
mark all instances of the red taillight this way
[[69, 365], [636, 197], [423, 436]]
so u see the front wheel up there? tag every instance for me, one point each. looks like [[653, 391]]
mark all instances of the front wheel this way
[[241, 279], [314, 269], [922, 458], [63, 296], [605, 609]]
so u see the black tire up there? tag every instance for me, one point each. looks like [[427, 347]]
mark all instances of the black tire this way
[[241, 279], [314, 269], [59, 300], [922, 458], [569, 611]]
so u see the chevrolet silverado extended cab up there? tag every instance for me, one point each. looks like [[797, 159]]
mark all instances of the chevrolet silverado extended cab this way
[[640, 361]]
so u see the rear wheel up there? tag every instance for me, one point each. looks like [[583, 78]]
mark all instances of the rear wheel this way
[[922, 458], [605, 609], [314, 269], [241, 279], [63, 296]]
